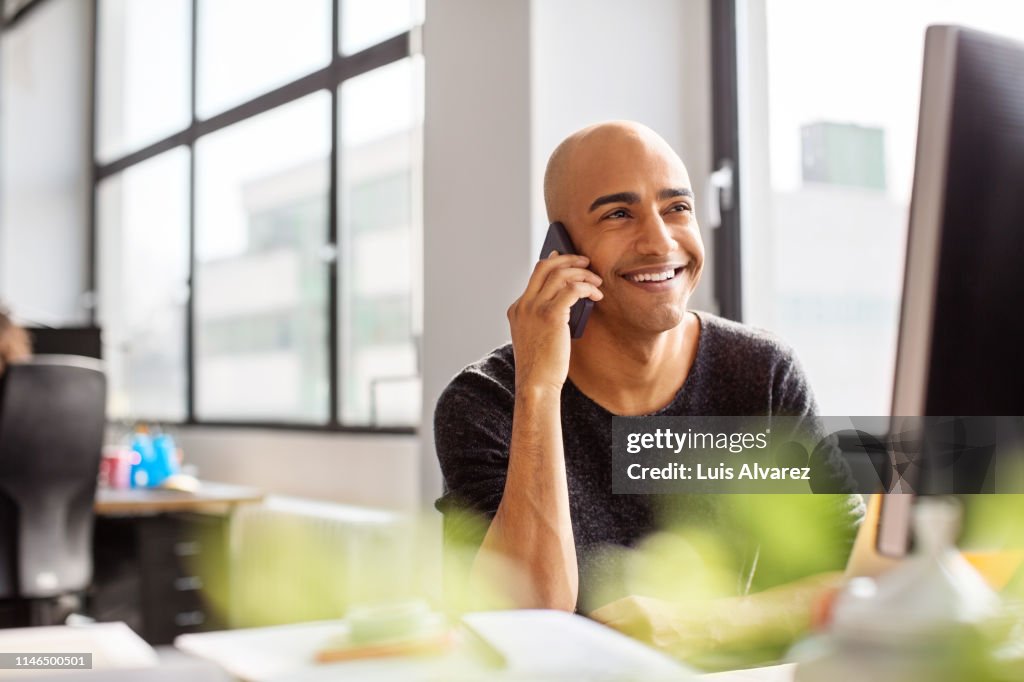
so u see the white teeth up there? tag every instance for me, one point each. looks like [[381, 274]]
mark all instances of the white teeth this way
[[654, 277]]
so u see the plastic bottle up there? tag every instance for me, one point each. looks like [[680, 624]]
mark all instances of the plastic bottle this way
[[142, 468], [165, 463]]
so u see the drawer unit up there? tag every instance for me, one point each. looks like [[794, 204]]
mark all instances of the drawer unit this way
[[164, 575]]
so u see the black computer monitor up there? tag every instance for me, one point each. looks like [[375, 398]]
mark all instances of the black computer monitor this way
[[67, 341], [962, 320]]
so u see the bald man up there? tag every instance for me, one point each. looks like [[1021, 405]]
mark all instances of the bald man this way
[[524, 435]]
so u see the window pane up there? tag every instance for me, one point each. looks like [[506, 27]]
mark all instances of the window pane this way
[[261, 278], [249, 47], [379, 276], [143, 265], [367, 22], [144, 57], [829, 161]]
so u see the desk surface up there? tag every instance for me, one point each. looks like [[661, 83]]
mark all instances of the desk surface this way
[[112, 645], [571, 644], [210, 497]]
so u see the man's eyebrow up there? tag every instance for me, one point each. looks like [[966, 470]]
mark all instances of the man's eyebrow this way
[[618, 197], [633, 197], [672, 192]]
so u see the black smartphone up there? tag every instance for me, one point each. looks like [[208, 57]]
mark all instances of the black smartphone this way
[[558, 240]]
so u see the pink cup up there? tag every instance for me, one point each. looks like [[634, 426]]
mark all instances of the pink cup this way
[[116, 467]]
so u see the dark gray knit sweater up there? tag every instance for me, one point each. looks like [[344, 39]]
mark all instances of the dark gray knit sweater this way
[[738, 371]]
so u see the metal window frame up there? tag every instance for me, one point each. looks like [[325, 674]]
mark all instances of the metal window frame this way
[[725, 147], [330, 78]]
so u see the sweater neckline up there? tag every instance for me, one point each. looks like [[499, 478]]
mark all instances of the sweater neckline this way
[[683, 390]]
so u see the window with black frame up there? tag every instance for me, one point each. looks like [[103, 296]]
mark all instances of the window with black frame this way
[[825, 99], [258, 211]]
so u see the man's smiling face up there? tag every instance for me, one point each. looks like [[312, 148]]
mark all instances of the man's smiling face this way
[[626, 200]]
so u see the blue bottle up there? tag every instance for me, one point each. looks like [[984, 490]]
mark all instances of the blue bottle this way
[[142, 468], [165, 463]]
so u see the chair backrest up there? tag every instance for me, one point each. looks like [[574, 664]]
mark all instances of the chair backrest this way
[[52, 418]]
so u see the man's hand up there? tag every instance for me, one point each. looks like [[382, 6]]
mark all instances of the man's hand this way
[[773, 618], [539, 319], [657, 622]]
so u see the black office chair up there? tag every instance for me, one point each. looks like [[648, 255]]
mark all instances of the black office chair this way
[[52, 417]]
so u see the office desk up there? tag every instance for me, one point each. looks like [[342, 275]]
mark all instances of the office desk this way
[[161, 558], [210, 498]]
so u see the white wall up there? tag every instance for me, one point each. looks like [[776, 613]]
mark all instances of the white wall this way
[[44, 162], [371, 470], [477, 189]]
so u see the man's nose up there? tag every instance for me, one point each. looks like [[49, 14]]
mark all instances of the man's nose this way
[[656, 238]]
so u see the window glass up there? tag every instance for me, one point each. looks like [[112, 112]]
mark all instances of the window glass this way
[[828, 128], [142, 216], [379, 276], [249, 47], [143, 73], [367, 22], [261, 276]]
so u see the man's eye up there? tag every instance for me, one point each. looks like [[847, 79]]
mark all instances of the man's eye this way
[[682, 208], [618, 213]]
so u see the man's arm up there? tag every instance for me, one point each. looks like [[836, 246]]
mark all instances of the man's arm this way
[[532, 529]]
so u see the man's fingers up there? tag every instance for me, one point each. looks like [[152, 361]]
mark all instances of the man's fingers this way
[[545, 267], [623, 626], [558, 280], [612, 617], [512, 309], [574, 291], [622, 617], [620, 609], [607, 614]]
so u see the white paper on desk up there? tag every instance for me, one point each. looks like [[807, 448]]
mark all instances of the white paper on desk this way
[[548, 644], [772, 673], [257, 654], [561, 645], [112, 645], [287, 653]]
